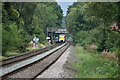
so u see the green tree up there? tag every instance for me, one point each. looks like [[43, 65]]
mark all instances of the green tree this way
[[96, 18], [10, 38], [26, 20]]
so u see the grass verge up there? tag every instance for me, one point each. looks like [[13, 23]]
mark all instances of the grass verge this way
[[29, 48], [2, 57], [11, 54], [93, 66]]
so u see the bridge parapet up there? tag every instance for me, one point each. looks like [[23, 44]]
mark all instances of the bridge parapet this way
[[57, 30]]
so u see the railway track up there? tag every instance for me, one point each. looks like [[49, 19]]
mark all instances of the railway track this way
[[31, 67], [14, 59]]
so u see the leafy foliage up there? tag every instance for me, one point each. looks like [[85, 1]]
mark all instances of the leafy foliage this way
[[11, 39], [23, 21], [91, 23]]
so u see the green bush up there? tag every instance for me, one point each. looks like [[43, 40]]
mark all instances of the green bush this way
[[83, 37], [83, 43], [10, 38]]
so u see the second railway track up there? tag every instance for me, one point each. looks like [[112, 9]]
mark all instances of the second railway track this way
[[41, 59], [23, 56]]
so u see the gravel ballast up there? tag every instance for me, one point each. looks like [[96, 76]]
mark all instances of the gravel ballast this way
[[62, 67], [33, 70], [26, 62]]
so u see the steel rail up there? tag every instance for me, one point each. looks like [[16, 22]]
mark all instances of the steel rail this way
[[11, 69], [25, 55], [34, 78]]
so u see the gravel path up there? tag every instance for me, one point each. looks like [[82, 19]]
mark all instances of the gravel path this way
[[69, 70], [57, 70]]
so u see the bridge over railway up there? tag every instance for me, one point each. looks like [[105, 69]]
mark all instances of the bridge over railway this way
[[52, 32]]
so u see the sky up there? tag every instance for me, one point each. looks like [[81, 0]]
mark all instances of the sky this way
[[64, 4]]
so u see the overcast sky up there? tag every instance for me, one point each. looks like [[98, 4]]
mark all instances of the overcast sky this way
[[65, 4]]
